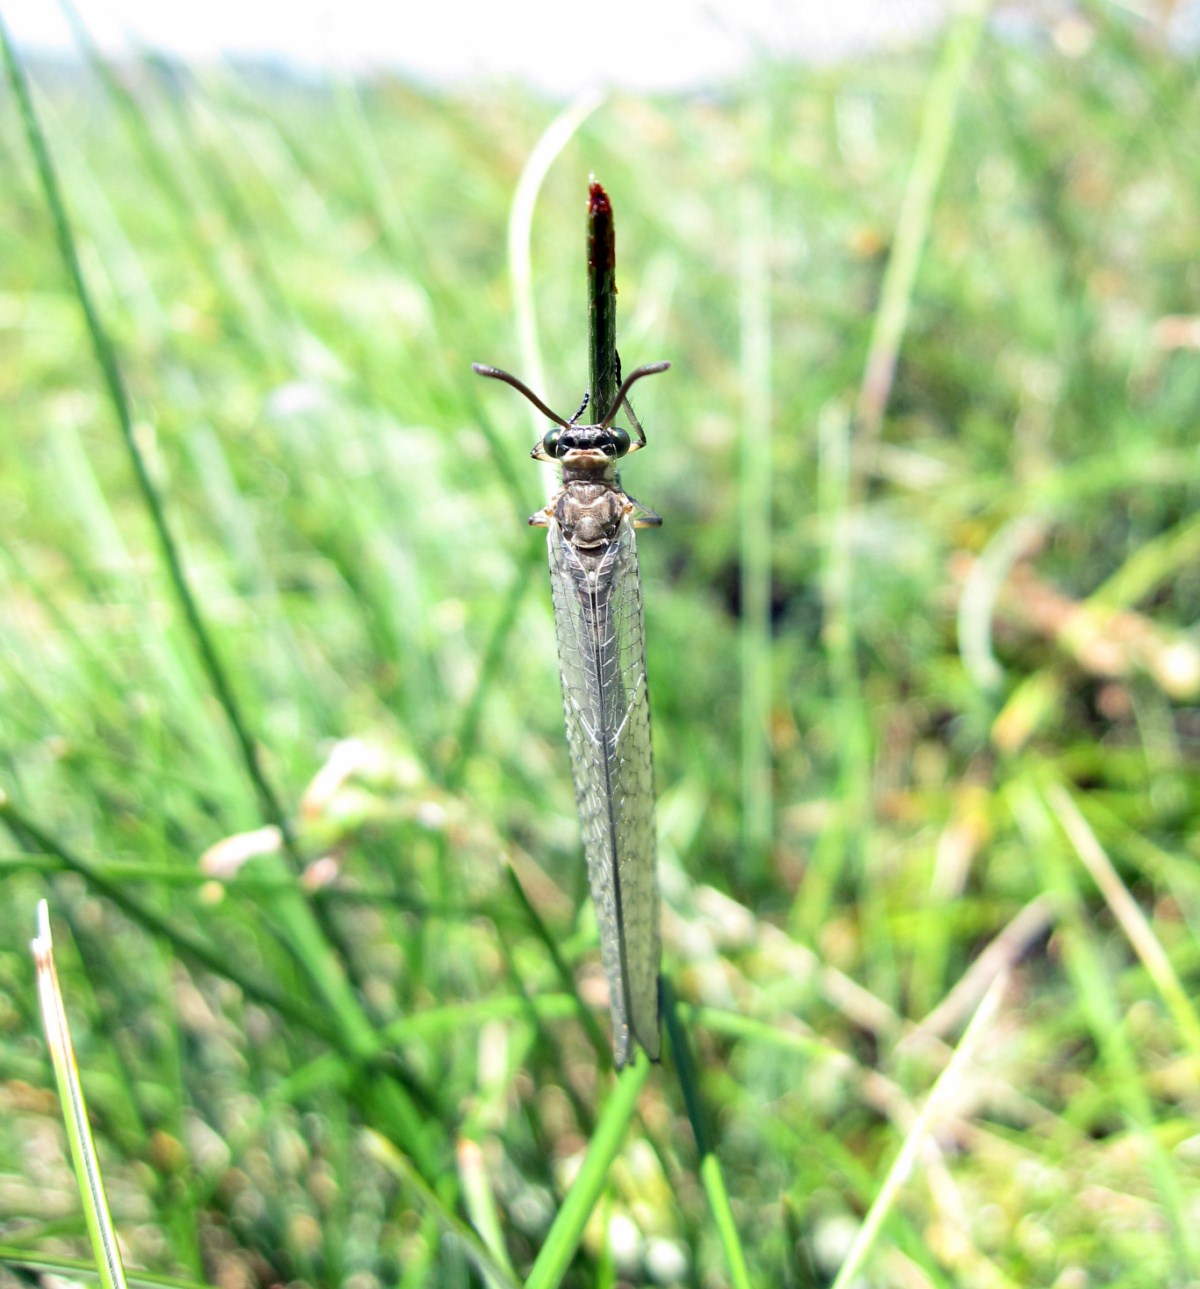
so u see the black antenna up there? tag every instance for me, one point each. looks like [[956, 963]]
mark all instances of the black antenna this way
[[495, 373]]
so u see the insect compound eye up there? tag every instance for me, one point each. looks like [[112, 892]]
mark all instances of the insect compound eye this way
[[620, 440], [550, 442]]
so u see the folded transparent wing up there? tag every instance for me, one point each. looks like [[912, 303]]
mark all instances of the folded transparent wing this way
[[602, 659]]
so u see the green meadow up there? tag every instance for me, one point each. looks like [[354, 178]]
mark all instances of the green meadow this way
[[281, 737]]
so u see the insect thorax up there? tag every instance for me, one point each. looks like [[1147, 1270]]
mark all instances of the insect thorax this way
[[589, 514]]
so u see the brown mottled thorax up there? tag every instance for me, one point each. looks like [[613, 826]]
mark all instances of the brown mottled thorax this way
[[589, 513]]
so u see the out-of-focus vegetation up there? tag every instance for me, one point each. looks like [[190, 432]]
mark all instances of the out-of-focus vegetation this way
[[963, 647]]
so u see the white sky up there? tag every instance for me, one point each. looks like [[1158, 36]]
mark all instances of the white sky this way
[[643, 44]]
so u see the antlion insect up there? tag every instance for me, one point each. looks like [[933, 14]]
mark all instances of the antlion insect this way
[[597, 590]]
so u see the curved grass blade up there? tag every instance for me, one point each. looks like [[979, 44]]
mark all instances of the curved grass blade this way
[[555, 138]]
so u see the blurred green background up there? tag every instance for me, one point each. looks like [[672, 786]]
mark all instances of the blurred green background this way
[[922, 657]]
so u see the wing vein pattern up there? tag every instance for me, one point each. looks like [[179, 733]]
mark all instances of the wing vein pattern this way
[[602, 661]]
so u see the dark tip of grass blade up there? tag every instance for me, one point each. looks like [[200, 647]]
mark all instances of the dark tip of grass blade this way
[[602, 251], [604, 365]]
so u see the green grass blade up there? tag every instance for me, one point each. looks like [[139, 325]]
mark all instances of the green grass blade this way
[[309, 941], [912, 226], [106, 356], [184, 944], [591, 1026], [711, 1175], [587, 1190]]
